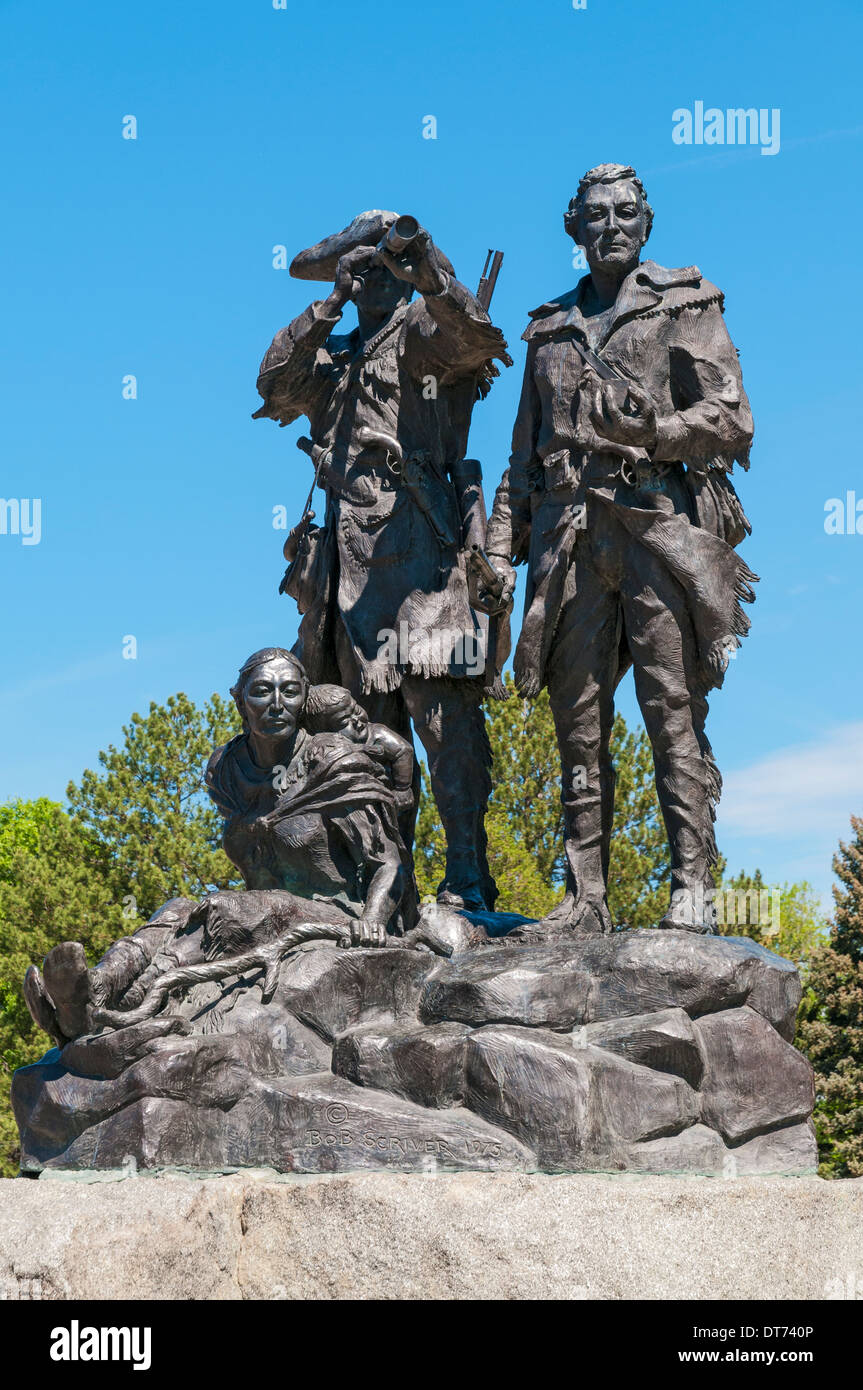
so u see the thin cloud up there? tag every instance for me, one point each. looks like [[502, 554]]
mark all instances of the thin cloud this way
[[724, 154], [799, 792]]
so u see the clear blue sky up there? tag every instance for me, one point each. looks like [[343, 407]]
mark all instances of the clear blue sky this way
[[259, 126]]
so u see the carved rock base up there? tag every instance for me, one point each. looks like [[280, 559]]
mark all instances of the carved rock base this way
[[645, 1051]]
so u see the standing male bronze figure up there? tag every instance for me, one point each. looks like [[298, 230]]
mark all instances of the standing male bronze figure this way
[[619, 497], [382, 585]]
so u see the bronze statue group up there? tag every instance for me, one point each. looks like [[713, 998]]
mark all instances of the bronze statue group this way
[[618, 499]]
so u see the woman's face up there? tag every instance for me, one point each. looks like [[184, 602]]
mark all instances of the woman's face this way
[[273, 698]]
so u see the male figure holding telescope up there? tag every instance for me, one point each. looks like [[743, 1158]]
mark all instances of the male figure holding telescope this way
[[389, 408], [619, 497]]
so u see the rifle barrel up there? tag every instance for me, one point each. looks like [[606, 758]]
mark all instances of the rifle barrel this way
[[488, 279]]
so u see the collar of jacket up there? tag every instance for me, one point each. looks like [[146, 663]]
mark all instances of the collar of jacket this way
[[649, 287], [377, 340]]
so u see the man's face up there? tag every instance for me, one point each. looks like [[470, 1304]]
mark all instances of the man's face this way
[[612, 226], [381, 291], [273, 698]]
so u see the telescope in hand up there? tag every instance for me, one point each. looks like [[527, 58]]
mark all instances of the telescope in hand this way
[[399, 236]]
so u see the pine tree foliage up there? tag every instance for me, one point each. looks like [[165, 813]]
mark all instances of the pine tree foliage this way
[[831, 1028]]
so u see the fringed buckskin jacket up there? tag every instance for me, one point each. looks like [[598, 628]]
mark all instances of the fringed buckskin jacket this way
[[390, 551], [666, 334]]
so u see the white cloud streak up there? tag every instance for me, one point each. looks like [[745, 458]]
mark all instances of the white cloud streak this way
[[799, 792]]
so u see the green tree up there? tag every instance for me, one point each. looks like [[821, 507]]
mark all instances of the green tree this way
[[429, 843], [51, 890], [785, 917], [20, 826], [525, 776], [140, 831], [831, 1027], [520, 882], [521, 886], [148, 811], [525, 821]]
